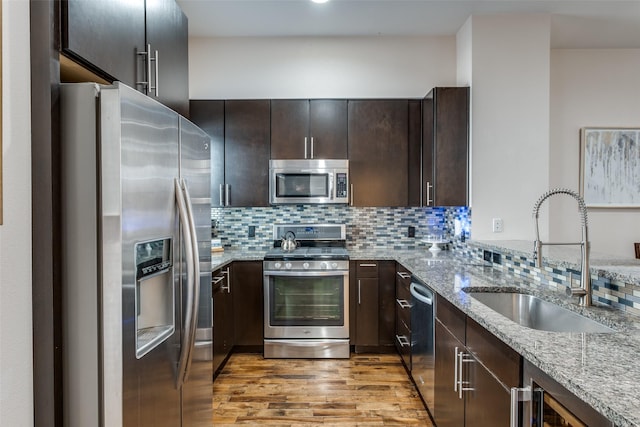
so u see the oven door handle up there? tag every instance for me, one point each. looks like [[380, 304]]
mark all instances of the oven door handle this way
[[307, 273]]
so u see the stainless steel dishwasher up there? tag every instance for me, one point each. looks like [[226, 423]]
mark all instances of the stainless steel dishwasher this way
[[422, 339]]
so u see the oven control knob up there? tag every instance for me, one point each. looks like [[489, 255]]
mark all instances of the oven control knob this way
[[334, 265], [305, 265], [323, 265], [277, 265], [288, 266]]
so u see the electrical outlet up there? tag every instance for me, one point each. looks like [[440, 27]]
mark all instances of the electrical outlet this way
[[252, 231], [497, 258], [411, 232], [498, 225]]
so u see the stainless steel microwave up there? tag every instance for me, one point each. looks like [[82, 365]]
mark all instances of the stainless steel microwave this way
[[309, 181]]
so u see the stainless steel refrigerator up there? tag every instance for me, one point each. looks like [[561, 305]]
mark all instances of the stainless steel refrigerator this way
[[137, 308]]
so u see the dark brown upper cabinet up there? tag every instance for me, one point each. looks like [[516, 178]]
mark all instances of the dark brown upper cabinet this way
[[246, 153], [379, 152], [168, 38], [209, 116], [308, 129], [445, 149], [112, 40]]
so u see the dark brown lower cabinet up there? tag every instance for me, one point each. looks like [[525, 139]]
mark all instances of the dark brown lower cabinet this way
[[448, 408], [248, 305], [223, 331], [372, 306], [474, 372]]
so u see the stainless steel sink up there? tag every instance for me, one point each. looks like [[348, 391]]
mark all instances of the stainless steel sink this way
[[535, 313]]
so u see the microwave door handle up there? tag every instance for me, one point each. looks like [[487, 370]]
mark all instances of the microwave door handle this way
[[331, 189]]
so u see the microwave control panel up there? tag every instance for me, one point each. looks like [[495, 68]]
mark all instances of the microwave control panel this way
[[341, 185]]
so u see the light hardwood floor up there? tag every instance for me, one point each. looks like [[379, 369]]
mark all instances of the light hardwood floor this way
[[365, 390]]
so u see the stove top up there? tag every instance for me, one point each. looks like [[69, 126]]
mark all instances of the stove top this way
[[315, 242], [306, 253]]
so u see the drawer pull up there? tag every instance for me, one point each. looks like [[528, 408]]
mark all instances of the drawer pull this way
[[403, 303], [403, 341], [368, 265], [403, 275]]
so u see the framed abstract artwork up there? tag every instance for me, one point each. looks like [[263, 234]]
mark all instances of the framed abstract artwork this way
[[610, 167]]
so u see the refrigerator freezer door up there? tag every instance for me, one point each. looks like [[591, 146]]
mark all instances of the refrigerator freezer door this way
[[197, 392], [149, 165]]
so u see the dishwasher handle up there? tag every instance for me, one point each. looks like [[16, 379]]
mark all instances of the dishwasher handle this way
[[421, 293]]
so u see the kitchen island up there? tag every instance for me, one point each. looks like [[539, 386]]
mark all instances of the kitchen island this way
[[601, 369]]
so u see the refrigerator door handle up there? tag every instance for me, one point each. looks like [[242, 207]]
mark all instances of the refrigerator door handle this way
[[185, 347]]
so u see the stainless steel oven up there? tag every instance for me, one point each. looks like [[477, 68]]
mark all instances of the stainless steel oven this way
[[306, 296]]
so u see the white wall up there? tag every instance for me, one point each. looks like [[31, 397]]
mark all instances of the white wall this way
[[510, 121], [330, 67], [16, 377], [591, 88]]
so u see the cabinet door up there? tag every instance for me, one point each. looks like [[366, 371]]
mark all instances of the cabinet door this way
[[105, 36], [246, 154], [248, 305], [445, 145], [486, 392], [415, 152], [366, 312], [167, 33], [378, 152], [209, 115], [328, 128], [448, 410], [289, 128], [387, 303], [403, 315], [223, 331]]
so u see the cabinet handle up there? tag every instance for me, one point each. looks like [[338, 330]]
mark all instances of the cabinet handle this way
[[403, 303], [312, 147], [351, 198], [156, 88], [368, 265], [147, 83], [359, 300], [464, 358], [227, 273], [221, 194], [403, 275], [217, 280], [455, 369], [429, 187], [305, 147], [518, 395], [227, 192], [403, 341]]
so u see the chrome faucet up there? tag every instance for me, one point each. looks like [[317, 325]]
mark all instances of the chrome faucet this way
[[584, 291]]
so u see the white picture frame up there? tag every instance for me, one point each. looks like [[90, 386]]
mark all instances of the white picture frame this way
[[610, 167]]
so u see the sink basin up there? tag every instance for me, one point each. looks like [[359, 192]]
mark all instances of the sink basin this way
[[535, 313]]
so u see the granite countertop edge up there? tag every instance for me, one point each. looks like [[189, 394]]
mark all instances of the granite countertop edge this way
[[600, 369]]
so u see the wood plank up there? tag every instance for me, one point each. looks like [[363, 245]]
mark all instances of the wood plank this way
[[365, 390]]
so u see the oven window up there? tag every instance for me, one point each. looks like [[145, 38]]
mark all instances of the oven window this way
[[302, 185], [306, 301]]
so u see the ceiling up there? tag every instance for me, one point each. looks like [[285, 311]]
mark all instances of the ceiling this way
[[574, 23]]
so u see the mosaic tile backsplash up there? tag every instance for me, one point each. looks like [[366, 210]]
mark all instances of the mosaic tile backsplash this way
[[614, 293], [367, 228]]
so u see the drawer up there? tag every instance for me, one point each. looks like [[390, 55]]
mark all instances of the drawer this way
[[366, 269], [402, 292], [403, 342], [452, 318], [403, 321], [498, 357]]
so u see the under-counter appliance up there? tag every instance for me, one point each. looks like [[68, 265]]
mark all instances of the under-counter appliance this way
[[423, 339], [306, 293], [545, 403], [137, 310], [310, 181]]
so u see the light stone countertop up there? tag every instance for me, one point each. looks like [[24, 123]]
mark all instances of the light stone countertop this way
[[601, 369]]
